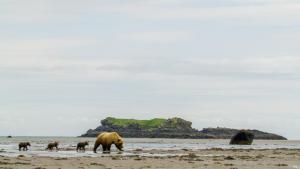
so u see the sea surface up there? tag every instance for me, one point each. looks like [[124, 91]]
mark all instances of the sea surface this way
[[9, 146]]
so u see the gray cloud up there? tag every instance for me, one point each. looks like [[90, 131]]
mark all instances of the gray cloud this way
[[211, 63]]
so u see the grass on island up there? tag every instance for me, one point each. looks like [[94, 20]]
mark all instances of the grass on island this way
[[148, 124]]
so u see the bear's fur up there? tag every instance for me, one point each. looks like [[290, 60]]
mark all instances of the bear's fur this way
[[81, 146], [24, 146], [52, 145], [106, 139]]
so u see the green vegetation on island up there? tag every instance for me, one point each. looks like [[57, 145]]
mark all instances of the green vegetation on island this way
[[145, 124], [169, 128]]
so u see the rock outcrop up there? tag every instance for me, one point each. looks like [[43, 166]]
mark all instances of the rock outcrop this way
[[168, 128], [227, 133], [155, 128], [242, 138]]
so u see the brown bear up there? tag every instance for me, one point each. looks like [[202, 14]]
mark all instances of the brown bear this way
[[24, 146], [106, 139], [52, 145], [81, 146]]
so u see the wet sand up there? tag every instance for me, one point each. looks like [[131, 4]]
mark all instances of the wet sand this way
[[177, 159]]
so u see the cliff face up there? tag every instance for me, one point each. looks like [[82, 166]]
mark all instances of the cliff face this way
[[167, 128]]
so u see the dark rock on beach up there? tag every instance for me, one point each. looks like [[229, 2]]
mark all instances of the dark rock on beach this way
[[242, 138], [228, 133]]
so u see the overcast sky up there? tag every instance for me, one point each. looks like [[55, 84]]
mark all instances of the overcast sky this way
[[67, 64]]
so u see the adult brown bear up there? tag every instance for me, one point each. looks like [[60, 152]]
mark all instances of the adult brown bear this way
[[106, 139]]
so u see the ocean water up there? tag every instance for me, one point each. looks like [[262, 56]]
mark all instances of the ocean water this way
[[9, 146]]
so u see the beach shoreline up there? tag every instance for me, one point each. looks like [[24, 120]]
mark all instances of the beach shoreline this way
[[209, 158]]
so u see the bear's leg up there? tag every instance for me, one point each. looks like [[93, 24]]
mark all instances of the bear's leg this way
[[103, 148], [108, 147], [96, 146]]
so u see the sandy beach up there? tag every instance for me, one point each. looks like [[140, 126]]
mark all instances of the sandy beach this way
[[210, 158]]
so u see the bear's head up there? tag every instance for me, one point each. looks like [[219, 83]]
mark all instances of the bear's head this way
[[119, 144], [56, 143], [28, 144]]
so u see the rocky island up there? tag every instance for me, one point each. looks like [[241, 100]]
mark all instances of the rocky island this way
[[169, 128]]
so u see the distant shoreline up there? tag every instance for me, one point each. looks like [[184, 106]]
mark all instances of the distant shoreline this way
[[137, 138]]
